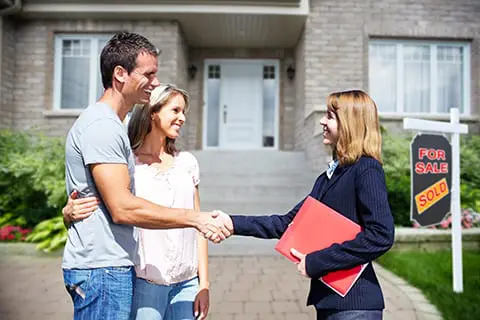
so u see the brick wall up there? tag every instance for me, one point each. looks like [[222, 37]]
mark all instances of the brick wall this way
[[337, 34], [7, 72], [183, 142], [300, 130], [197, 57], [34, 47]]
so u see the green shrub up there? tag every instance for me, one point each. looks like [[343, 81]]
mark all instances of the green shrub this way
[[32, 178], [396, 163], [32, 186], [50, 234]]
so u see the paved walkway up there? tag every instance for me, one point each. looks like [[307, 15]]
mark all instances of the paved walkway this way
[[253, 287]]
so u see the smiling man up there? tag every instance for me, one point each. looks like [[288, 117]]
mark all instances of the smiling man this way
[[98, 258]]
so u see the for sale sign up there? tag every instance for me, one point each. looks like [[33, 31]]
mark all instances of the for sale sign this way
[[431, 157]]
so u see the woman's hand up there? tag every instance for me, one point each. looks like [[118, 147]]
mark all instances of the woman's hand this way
[[78, 209], [300, 265], [202, 303]]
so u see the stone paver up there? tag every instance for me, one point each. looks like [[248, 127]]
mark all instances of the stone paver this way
[[242, 287]]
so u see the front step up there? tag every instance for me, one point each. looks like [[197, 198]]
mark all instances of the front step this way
[[262, 182]]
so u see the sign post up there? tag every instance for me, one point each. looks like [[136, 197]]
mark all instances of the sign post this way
[[455, 129]]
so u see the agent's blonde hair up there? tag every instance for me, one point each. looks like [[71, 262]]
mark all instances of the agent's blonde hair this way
[[358, 126], [140, 123]]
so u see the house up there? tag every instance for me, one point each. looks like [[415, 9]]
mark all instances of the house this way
[[258, 71]]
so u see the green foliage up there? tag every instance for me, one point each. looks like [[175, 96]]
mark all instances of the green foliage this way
[[396, 163], [431, 272], [32, 178], [470, 172], [49, 234]]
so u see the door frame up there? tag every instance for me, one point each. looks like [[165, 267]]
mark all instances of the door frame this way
[[274, 62]]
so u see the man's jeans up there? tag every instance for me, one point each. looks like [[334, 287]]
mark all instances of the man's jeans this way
[[100, 293]]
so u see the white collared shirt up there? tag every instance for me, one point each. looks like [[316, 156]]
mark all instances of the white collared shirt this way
[[332, 165]]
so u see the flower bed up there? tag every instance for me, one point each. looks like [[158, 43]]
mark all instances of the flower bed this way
[[13, 233]]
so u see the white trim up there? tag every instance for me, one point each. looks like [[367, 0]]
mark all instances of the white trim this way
[[57, 75], [433, 45], [278, 74], [434, 80], [33, 8], [93, 65], [430, 116], [63, 113], [400, 75], [467, 77], [94, 69]]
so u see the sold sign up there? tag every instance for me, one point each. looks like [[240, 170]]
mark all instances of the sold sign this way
[[431, 157], [431, 195]]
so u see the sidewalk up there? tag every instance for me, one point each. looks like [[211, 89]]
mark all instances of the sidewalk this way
[[253, 287]]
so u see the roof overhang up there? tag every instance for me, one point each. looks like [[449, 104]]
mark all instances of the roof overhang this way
[[205, 23]]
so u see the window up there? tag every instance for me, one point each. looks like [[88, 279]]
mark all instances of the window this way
[[213, 107], [419, 76], [78, 81], [269, 101]]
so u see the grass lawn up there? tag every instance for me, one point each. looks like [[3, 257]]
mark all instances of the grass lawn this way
[[431, 272]]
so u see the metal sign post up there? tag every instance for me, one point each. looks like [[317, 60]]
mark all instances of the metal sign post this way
[[455, 129]]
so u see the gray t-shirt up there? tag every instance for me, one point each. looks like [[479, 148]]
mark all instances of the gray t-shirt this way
[[98, 136]]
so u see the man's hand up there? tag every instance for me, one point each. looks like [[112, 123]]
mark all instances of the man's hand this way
[[211, 227]]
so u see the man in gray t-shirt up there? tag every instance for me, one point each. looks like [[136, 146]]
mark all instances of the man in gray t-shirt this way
[[98, 136], [97, 262]]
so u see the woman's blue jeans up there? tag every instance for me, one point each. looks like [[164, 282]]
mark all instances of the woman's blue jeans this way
[[161, 302]]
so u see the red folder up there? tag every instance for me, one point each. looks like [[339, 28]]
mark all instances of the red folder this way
[[315, 227]]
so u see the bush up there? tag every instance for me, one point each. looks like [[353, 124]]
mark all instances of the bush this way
[[50, 234], [32, 175], [396, 163], [32, 178]]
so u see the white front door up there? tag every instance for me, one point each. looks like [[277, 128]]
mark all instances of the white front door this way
[[241, 105]]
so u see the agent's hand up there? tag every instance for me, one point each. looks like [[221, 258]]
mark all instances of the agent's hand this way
[[227, 221], [212, 229], [201, 304], [301, 264], [78, 209]]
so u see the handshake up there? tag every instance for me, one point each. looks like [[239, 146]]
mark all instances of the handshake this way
[[215, 226]]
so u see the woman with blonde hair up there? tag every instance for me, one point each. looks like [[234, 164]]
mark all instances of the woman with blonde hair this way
[[353, 185], [171, 269]]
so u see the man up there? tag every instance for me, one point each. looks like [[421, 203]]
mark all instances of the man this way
[[98, 257]]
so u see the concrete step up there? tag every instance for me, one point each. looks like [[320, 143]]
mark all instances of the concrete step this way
[[251, 208], [293, 179], [252, 192], [251, 161]]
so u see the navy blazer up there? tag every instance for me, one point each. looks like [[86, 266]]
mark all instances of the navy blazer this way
[[358, 192]]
